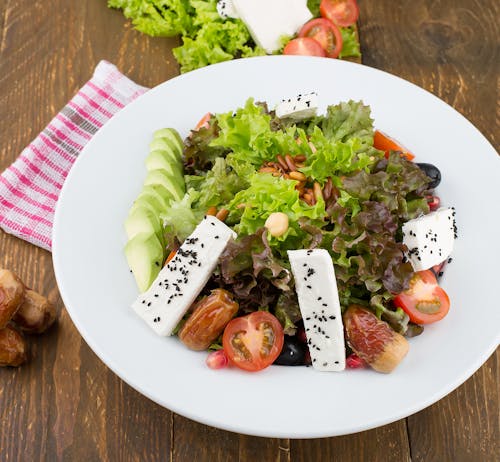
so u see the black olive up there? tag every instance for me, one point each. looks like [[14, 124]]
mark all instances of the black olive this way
[[432, 172], [292, 354]]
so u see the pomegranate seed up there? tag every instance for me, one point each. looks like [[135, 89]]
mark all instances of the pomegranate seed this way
[[434, 202], [217, 359], [353, 361]]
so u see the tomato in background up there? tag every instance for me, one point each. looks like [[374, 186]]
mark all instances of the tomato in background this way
[[325, 33], [344, 13], [304, 46]]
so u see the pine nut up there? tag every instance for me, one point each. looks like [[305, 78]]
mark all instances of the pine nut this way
[[282, 163], [290, 163], [299, 176], [277, 224], [327, 190], [318, 194], [222, 214], [267, 170]]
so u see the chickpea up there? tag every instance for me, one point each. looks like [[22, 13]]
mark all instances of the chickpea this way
[[277, 224]]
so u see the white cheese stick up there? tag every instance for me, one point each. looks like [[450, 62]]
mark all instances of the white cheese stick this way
[[320, 307], [182, 279], [269, 20]]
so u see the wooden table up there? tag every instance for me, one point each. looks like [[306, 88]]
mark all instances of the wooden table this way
[[66, 404]]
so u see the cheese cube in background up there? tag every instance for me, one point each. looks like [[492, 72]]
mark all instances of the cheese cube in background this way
[[320, 307], [299, 107], [430, 238], [269, 20], [226, 9], [184, 277]]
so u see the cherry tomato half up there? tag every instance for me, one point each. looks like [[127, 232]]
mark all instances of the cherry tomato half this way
[[344, 13], [304, 46], [325, 33], [385, 143], [253, 342], [424, 302]]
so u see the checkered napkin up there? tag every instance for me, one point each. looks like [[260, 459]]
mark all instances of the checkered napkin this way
[[29, 188]]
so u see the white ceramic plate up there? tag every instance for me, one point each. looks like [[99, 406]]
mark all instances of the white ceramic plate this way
[[98, 289]]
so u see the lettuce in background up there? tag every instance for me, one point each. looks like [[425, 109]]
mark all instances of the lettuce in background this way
[[207, 39]]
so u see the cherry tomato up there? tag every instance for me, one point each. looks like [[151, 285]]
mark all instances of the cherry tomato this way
[[203, 122], [385, 143], [325, 33], [304, 46], [344, 13], [253, 342], [424, 302]]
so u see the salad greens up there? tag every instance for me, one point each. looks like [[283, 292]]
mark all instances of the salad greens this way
[[359, 223], [206, 37]]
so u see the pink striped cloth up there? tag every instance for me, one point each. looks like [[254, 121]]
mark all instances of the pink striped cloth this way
[[29, 188]]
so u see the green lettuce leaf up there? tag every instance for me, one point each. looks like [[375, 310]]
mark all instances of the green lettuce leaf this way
[[268, 194], [164, 18], [350, 43], [313, 6], [217, 187], [181, 218]]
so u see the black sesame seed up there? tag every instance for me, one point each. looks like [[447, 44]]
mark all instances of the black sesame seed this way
[[156, 295], [320, 298], [336, 362], [309, 287], [325, 304], [216, 237], [149, 304], [325, 364], [144, 301]]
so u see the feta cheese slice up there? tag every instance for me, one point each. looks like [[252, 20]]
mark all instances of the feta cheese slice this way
[[226, 9], [430, 238], [320, 307], [182, 279], [269, 20], [299, 107]]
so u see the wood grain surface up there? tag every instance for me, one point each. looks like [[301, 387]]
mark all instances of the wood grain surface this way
[[66, 404]]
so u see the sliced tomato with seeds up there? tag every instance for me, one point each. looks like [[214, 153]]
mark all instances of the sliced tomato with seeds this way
[[253, 342], [306, 46], [385, 143], [425, 301], [344, 13], [325, 33]]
